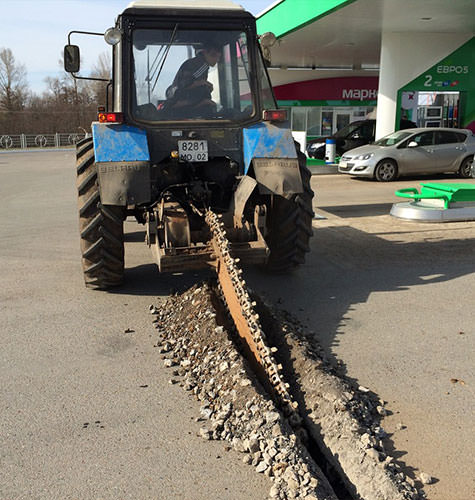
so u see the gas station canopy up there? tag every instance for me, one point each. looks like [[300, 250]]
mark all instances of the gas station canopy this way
[[395, 41], [345, 35]]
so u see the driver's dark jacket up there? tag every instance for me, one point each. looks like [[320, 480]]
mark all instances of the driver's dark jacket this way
[[190, 71]]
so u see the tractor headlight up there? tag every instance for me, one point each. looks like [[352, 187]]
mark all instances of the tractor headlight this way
[[112, 36]]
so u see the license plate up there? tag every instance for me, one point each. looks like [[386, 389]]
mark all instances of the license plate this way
[[193, 150], [342, 164]]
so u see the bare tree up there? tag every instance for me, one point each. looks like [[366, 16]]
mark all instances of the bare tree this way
[[67, 104], [13, 84], [102, 69]]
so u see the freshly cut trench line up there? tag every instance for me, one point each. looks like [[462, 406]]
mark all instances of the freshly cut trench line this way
[[199, 344], [297, 422], [296, 413], [195, 341]]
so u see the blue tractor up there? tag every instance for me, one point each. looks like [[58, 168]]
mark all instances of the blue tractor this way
[[190, 125]]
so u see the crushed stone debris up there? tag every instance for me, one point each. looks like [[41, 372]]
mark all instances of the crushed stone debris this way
[[426, 478], [343, 420], [196, 344], [234, 407]]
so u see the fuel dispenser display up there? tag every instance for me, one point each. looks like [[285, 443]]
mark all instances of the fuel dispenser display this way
[[438, 109]]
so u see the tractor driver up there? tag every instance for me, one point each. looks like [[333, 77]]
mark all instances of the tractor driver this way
[[190, 88]]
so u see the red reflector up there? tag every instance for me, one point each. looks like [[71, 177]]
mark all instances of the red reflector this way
[[110, 117], [275, 115]]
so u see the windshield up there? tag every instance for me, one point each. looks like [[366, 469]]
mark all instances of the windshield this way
[[191, 75], [349, 129], [393, 138]]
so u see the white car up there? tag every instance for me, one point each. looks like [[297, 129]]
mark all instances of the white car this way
[[412, 151]]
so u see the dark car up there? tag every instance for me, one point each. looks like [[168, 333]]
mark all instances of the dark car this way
[[352, 136]]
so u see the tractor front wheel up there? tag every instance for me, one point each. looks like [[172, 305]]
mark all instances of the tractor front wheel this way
[[101, 227]]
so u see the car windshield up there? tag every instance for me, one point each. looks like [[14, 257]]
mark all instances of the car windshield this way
[[191, 75], [347, 130], [393, 138]]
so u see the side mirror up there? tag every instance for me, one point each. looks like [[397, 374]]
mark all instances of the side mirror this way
[[413, 144], [71, 58], [268, 39]]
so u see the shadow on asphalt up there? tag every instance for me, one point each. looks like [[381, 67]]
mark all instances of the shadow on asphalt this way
[[448, 177], [365, 210], [147, 280], [346, 265]]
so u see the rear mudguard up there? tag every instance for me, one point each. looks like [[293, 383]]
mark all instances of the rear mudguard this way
[[123, 163], [270, 152]]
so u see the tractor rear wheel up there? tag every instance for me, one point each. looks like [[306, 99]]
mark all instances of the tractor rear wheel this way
[[101, 227], [289, 221]]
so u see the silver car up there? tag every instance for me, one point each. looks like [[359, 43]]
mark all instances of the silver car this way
[[412, 151]]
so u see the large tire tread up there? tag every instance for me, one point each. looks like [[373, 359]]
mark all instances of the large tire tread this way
[[100, 226], [290, 226]]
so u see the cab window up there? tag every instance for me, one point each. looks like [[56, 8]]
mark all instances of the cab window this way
[[186, 74]]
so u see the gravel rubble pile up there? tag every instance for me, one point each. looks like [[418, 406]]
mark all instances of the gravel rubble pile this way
[[234, 407], [196, 345]]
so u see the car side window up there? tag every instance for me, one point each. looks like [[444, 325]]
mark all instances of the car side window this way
[[445, 137], [424, 139], [367, 131], [460, 136]]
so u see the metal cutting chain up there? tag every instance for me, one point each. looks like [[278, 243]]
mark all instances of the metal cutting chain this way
[[241, 309]]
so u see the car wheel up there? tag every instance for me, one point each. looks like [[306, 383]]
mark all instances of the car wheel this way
[[386, 171], [465, 170]]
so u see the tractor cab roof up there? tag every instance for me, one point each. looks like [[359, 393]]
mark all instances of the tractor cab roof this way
[[184, 4], [190, 9]]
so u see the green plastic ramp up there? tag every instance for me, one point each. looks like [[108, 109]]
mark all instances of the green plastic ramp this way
[[437, 202]]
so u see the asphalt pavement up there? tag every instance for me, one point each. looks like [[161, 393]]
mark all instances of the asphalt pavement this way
[[86, 408]]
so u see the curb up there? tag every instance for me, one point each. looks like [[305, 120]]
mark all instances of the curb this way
[[330, 169]]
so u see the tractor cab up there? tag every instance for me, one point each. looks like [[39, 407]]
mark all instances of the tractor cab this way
[[194, 64], [185, 62], [183, 74]]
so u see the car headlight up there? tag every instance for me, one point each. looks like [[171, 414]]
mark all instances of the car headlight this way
[[366, 156]]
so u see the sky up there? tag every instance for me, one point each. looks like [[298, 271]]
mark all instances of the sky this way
[[37, 30]]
